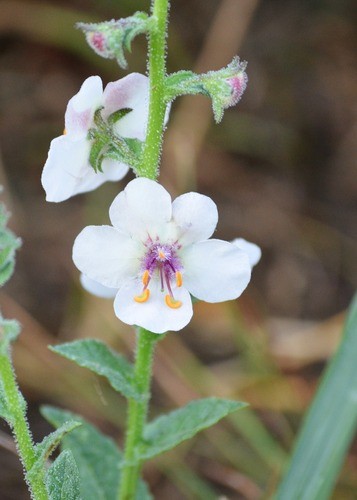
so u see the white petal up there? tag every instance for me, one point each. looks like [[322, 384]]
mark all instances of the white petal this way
[[251, 249], [81, 108], [66, 164], [113, 170], [196, 217], [67, 171], [132, 91], [215, 270], [143, 209], [154, 314], [96, 288], [106, 255]]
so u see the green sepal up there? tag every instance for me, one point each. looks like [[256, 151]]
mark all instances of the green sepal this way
[[97, 457], [110, 39], [168, 431], [225, 86], [105, 143], [96, 154], [99, 358], [62, 478], [118, 115]]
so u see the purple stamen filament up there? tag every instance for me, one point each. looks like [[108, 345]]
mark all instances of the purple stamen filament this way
[[161, 258]]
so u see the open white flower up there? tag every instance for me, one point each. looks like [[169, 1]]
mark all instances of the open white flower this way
[[156, 254], [67, 171]]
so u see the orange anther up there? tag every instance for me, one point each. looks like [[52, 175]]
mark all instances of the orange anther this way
[[162, 255], [178, 278], [171, 302], [146, 277], [143, 297]]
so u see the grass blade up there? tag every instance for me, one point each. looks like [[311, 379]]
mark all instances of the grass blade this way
[[329, 426]]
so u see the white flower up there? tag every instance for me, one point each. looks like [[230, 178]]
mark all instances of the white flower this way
[[67, 171], [157, 253], [251, 249]]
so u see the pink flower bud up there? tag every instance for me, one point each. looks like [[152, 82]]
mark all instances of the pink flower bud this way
[[238, 84], [98, 41]]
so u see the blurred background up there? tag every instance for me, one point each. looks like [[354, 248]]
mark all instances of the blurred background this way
[[281, 168]]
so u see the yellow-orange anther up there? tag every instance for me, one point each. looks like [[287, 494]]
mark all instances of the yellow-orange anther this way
[[178, 278], [162, 255], [145, 278], [64, 131], [143, 297], [174, 304]]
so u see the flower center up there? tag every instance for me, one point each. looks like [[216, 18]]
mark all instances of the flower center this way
[[161, 260]]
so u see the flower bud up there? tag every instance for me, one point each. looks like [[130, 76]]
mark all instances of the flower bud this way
[[225, 86], [110, 39]]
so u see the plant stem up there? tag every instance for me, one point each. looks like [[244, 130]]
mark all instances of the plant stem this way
[[157, 106], [137, 412], [16, 407]]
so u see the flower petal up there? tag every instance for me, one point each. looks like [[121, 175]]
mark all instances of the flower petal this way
[[154, 314], [106, 255], [112, 171], [196, 216], [132, 91], [215, 270], [251, 249], [67, 171], [66, 164], [81, 108], [143, 209], [96, 288]]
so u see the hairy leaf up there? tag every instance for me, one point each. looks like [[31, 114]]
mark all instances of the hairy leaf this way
[[169, 430], [97, 457], [62, 478], [99, 358]]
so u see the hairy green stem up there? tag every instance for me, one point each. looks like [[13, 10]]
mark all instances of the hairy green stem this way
[[149, 165], [16, 408], [137, 412]]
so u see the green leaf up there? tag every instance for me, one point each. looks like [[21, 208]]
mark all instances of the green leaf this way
[[329, 426], [169, 430], [9, 331], [44, 449], [99, 358], [62, 478], [9, 243], [96, 455]]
